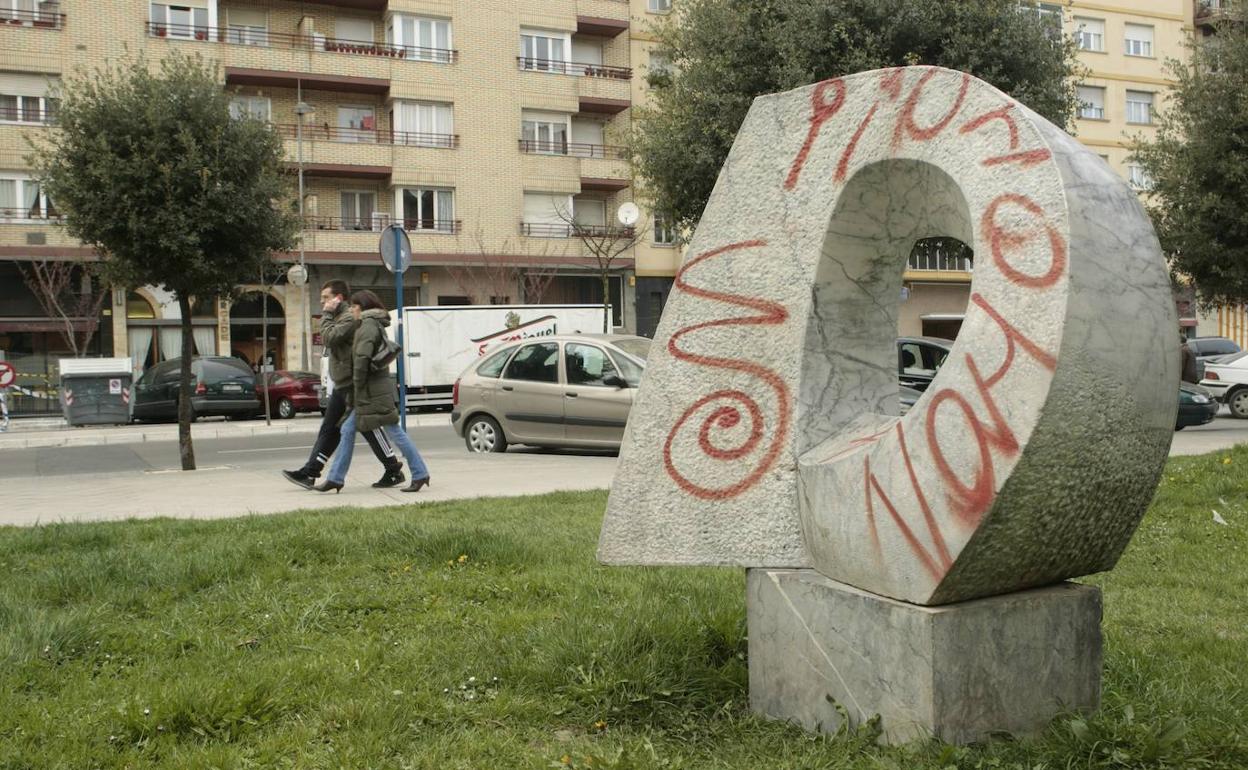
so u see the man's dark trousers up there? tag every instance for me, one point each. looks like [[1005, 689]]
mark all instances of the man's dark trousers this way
[[329, 436]]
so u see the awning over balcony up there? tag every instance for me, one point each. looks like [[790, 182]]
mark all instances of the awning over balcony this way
[[342, 170], [603, 185], [359, 5], [602, 106], [244, 76], [596, 25]]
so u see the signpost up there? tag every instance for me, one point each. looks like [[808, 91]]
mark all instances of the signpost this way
[[8, 376], [396, 255]]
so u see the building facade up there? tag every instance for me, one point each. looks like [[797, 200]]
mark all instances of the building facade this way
[[493, 130]]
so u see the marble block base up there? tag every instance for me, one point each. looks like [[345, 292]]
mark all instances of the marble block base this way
[[959, 672]]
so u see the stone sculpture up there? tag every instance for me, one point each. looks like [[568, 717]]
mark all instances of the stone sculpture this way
[[765, 433]]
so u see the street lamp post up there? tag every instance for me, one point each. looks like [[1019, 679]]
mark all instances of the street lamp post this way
[[302, 109]]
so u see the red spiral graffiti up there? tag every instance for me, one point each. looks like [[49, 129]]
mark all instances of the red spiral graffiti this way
[[735, 405]]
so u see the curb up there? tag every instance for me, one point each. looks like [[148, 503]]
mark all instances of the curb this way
[[72, 437]]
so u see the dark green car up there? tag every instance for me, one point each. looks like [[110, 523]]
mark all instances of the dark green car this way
[[220, 387]]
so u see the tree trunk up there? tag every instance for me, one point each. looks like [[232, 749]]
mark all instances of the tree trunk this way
[[606, 303], [184, 390]]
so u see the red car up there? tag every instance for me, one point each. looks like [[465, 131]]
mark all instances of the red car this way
[[290, 393]]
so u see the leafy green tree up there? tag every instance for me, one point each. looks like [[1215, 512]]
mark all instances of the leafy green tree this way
[[148, 167], [723, 53], [1198, 163]]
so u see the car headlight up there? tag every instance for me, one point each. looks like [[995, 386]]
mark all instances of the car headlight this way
[[1198, 398]]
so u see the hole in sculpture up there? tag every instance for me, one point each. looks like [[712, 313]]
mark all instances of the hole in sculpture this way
[[895, 220]]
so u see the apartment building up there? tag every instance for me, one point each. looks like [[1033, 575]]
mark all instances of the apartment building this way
[[493, 130], [1123, 44]]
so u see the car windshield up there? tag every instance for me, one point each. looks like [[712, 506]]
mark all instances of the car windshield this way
[[1217, 347], [637, 348]]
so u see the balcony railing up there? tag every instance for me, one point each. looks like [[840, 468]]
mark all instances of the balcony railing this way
[[323, 132], [30, 215], [313, 42], [573, 149], [544, 230], [574, 68], [47, 19], [380, 221], [29, 117]]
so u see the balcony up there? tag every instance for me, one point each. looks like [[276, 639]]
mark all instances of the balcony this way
[[46, 18], [573, 149], [312, 133], [1210, 12], [580, 69], [291, 41], [380, 221], [563, 230], [244, 76]]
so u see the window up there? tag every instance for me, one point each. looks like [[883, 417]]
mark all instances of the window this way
[[658, 6], [629, 370], [424, 39], [425, 124], [30, 10], [359, 211], [1050, 15], [1139, 107], [181, 21], [921, 359], [27, 109], [1138, 177], [544, 215], [589, 212], [546, 51], [247, 26], [1092, 102], [535, 363], [544, 132], [1139, 40], [21, 198], [660, 69], [1090, 34], [428, 208], [493, 366], [664, 231], [256, 107], [357, 124], [587, 365], [354, 30]]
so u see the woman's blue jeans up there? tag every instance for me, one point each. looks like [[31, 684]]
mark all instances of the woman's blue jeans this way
[[346, 448]]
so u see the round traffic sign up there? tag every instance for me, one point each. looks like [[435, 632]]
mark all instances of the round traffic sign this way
[[8, 375], [396, 249]]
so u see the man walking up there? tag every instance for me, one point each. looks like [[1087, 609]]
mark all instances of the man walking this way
[[337, 334]]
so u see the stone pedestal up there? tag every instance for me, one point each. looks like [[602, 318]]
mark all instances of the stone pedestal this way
[[960, 672]]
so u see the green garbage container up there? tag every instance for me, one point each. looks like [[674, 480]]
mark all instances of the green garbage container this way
[[95, 391]]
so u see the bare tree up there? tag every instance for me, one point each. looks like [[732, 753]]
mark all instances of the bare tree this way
[[536, 284], [70, 293], [606, 243], [493, 275]]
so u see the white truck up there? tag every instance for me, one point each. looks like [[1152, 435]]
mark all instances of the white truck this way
[[440, 342]]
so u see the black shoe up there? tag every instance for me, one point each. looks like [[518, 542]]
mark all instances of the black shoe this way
[[300, 477], [329, 486], [391, 478], [417, 485]]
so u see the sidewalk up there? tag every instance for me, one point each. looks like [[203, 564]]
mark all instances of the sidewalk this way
[[51, 433], [238, 490]]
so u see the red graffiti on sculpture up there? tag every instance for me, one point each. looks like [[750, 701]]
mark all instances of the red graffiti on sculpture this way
[[820, 111], [732, 401]]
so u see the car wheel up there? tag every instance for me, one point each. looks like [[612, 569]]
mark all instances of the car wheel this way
[[482, 434], [1238, 403], [285, 409]]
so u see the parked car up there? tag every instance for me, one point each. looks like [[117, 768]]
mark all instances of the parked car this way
[[290, 392], [1227, 380], [564, 390], [919, 358], [1197, 406], [220, 387], [907, 396], [1211, 350]]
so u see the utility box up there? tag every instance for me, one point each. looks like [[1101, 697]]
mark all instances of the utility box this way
[[96, 391]]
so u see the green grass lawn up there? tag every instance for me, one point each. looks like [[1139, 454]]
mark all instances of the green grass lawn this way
[[483, 635]]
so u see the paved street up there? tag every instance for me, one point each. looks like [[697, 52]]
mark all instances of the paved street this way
[[238, 476], [239, 473]]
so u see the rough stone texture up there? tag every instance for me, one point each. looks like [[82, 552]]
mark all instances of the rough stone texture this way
[[764, 433], [959, 672]]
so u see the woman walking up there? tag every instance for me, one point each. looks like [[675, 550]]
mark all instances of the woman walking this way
[[370, 402]]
